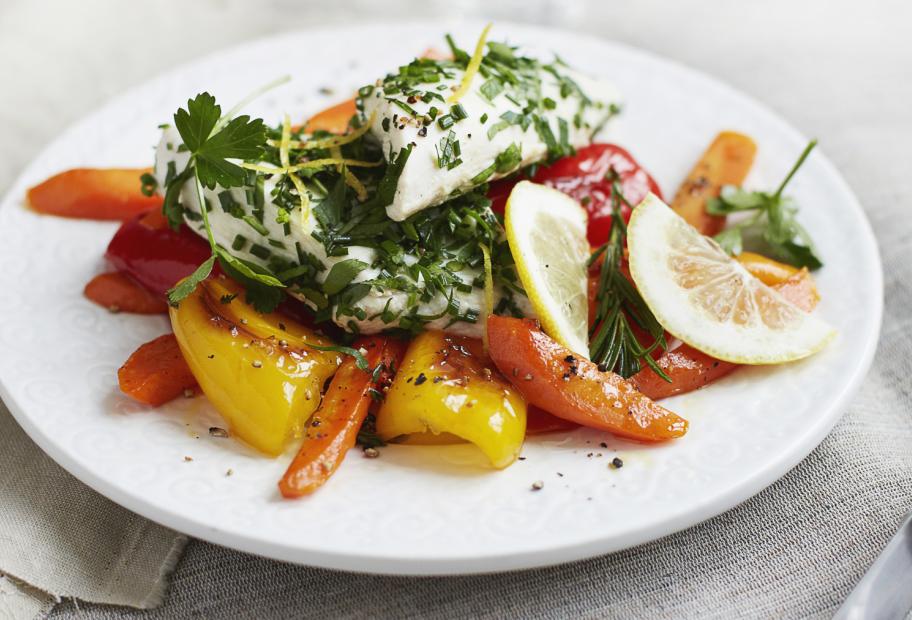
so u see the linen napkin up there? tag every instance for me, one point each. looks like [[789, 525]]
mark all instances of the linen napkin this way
[[59, 539]]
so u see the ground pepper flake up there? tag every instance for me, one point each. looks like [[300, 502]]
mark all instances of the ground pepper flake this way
[[616, 463]]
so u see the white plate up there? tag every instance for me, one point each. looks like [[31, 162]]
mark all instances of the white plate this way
[[419, 510]]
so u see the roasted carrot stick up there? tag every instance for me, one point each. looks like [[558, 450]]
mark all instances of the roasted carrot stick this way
[[726, 162], [156, 372], [333, 119], [551, 377], [93, 193], [118, 292], [333, 429]]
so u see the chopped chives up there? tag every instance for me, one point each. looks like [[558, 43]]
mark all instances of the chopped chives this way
[[256, 225], [260, 252], [458, 112]]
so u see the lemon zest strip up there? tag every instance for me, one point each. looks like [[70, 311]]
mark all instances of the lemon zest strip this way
[[314, 163], [471, 68], [325, 143], [350, 179]]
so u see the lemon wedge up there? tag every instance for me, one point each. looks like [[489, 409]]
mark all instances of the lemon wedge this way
[[708, 300], [546, 230]]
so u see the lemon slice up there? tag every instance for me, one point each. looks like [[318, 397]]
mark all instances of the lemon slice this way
[[708, 300], [546, 230]]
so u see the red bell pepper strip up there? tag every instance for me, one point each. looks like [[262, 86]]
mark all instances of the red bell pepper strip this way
[[584, 177]]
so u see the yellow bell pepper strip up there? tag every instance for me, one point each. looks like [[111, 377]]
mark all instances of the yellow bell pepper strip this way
[[333, 429], [256, 369], [447, 384]]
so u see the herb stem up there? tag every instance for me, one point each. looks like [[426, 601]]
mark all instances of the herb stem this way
[[203, 210], [804, 155], [246, 100]]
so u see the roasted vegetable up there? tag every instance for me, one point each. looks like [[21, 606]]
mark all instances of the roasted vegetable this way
[[120, 293], [260, 371], [333, 119], [725, 162], [570, 387], [93, 193], [156, 372], [333, 429], [447, 385]]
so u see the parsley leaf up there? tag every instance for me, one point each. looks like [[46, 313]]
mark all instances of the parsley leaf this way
[[773, 221], [264, 298], [186, 286], [196, 122], [239, 138], [341, 275]]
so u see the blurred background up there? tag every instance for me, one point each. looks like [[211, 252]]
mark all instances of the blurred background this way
[[808, 59]]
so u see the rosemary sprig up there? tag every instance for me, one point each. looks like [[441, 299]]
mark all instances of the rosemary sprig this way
[[612, 342]]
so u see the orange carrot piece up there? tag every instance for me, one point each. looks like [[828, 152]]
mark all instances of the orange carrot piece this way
[[333, 429], [156, 372], [800, 290], [93, 193], [119, 293], [333, 119], [725, 162], [551, 377]]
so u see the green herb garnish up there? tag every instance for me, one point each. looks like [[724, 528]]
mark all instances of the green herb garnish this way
[[212, 140], [773, 221], [612, 343]]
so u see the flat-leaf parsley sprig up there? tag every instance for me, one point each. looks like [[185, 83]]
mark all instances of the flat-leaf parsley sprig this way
[[211, 141], [773, 221], [612, 343]]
